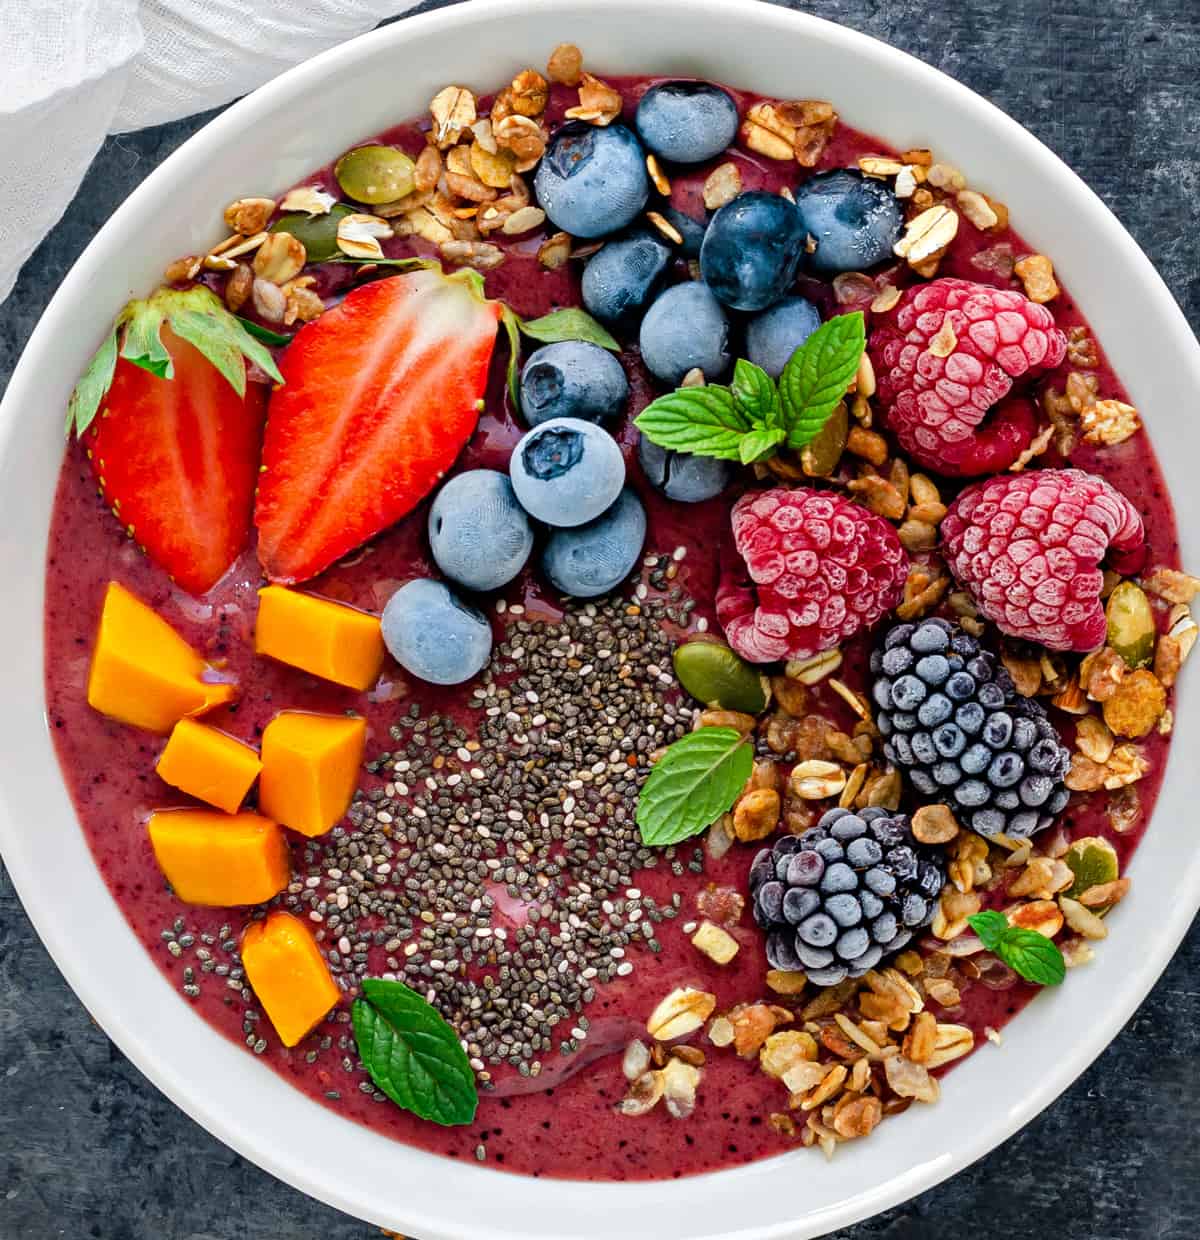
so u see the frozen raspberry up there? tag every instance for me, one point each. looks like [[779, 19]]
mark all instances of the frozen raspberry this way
[[947, 356], [1028, 549], [817, 570]]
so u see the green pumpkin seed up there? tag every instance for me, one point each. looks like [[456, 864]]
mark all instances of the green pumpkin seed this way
[[819, 457], [714, 675], [317, 232], [1131, 627], [1093, 860], [375, 174]]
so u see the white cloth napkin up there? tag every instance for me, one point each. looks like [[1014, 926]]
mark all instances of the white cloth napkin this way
[[76, 70]]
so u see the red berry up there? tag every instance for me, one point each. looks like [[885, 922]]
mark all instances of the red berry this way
[[1027, 547], [817, 570], [948, 355]]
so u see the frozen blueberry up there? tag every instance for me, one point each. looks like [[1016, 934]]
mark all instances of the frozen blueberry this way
[[479, 534], [775, 334], [589, 560], [1035, 790], [946, 774], [592, 179], [687, 122], [685, 329], [1047, 756], [830, 849], [434, 635], [752, 249], [681, 476], [567, 472], [572, 379], [930, 638], [854, 220], [620, 281]]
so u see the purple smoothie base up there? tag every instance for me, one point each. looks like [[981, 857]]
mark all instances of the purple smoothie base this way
[[563, 1124]]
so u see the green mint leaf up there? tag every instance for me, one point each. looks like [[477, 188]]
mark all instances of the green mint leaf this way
[[818, 374], [703, 420], [412, 1054], [568, 324], [755, 394], [512, 326], [693, 784], [92, 388], [265, 334], [757, 445], [1033, 956]]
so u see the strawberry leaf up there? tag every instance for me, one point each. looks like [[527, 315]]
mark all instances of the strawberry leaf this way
[[569, 324], [93, 386], [142, 343], [818, 374], [265, 334], [693, 784], [702, 420], [512, 326], [197, 316]]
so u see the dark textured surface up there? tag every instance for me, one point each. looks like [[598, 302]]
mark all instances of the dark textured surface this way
[[89, 1149]]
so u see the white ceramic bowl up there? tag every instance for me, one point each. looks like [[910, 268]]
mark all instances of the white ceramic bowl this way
[[267, 142]]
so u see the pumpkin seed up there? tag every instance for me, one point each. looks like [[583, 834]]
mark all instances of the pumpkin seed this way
[[713, 674], [375, 174], [1093, 860], [1131, 628], [317, 232]]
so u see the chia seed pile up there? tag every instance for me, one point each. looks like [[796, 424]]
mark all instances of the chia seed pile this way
[[536, 809]]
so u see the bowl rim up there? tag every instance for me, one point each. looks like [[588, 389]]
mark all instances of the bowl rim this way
[[149, 1057]]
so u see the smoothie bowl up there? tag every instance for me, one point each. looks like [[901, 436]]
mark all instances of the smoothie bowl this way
[[618, 623]]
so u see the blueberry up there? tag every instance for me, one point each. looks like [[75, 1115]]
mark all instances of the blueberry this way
[[691, 230], [775, 334], [592, 179], [762, 868], [681, 476], [903, 861], [1023, 824], [988, 821], [933, 669], [619, 282], [853, 943], [818, 931], [685, 329], [899, 749], [981, 669], [844, 909], [1007, 798], [855, 220], [828, 818], [592, 559], [687, 122], [799, 903], [752, 249], [435, 636], [566, 472], [908, 693], [572, 379], [888, 831], [805, 868], [930, 879], [866, 962], [479, 534]]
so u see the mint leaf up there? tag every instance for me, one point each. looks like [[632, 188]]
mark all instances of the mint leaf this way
[[693, 784], [569, 324], [703, 420], [412, 1054], [818, 374], [755, 394], [93, 386], [512, 327], [1033, 956], [758, 444]]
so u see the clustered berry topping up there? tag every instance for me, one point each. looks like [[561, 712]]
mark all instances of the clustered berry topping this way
[[848, 892]]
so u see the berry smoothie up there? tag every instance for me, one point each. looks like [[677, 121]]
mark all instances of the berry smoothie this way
[[575, 929]]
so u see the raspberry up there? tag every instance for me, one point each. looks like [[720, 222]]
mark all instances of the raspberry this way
[[1028, 549], [949, 355], [818, 569]]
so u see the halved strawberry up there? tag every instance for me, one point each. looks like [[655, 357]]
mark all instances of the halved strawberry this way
[[175, 447], [380, 395]]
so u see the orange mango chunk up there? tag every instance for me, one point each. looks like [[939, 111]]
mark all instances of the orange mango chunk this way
[[310, 768], [209, 765], [328, 639], [288, 974], [143, 673], [221, 860]]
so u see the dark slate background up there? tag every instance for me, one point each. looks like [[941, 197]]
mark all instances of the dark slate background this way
[[89, 1149]]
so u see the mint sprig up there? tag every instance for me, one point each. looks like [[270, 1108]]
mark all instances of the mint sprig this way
[[749, 420], [693, 784], [1031, 955], [412, 1054]]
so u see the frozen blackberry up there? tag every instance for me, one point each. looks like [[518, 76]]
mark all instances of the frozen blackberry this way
[[952, 721], [839, 898]]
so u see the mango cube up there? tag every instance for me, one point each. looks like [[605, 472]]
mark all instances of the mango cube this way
[[310, 768], [288, 974], [221, 860], [209, 765], [143, 673], [328, 639]]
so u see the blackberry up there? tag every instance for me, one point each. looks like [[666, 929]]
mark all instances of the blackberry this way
[[952, 721], [848, 892]]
